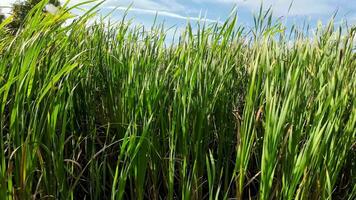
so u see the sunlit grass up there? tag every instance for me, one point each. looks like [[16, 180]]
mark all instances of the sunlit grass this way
[[112, 111]]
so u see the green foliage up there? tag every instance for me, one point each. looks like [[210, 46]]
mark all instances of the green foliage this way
[[112, 111]]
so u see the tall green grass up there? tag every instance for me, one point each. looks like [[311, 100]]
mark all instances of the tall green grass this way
[[112, 111]]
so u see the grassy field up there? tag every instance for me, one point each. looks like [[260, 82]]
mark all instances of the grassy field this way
[[112, 111]]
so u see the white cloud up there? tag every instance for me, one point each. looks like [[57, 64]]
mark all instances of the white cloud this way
[[166, 8], [163, 5], [6, 2], [51, 8], [5, 6], [164, 13]]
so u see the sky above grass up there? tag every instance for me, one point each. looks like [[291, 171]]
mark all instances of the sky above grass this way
[[177, 12]]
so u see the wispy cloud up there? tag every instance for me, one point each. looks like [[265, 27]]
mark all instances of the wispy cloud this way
[[163, 5], [163, 13]]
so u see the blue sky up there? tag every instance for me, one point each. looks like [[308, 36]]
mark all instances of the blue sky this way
[[177, 12]]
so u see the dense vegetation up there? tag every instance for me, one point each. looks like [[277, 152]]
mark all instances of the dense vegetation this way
[[111, 110]]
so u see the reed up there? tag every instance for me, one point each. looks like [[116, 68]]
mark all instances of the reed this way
[[109, 110]]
